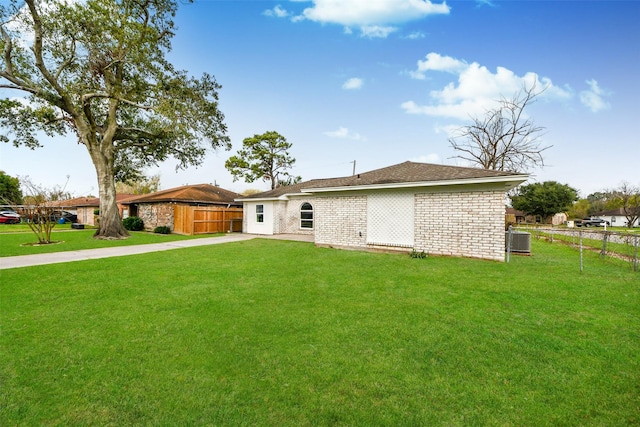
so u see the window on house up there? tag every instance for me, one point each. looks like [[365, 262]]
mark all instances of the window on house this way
[[306, 215], [259, 213]]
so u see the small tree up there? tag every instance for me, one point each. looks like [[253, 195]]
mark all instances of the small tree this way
[[544, 199], [262, 157], [10, 193], [504, 139], [628, 197], [579, 209], [37, 210]]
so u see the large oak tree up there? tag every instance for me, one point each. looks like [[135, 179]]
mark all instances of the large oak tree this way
[[98, 69]]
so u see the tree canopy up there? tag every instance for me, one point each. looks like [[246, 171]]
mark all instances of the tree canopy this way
[[10, 192], [544, 199], [628, 197], [263, 157], [504, 139], [97, 69], [142, 185]]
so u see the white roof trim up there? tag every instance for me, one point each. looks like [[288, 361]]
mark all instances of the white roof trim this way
[[512, 180], [269, 199]]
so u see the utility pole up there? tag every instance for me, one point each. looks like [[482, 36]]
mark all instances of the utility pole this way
[[354, 167]]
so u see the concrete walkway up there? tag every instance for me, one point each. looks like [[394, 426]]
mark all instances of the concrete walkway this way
[[69, 256]]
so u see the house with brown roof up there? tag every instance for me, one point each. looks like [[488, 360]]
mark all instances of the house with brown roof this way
[[86, 207], [441, 210], [169, 208]]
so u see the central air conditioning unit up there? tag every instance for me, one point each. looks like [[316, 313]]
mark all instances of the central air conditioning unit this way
[[520, 242]]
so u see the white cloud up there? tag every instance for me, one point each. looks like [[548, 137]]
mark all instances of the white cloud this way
[[374, 18], [344, 133], [376, 31], [416, 35], [436, 62], [476, 89], [277, 12], [593, 99], [353, 83]]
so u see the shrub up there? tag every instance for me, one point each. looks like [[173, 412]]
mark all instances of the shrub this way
[[133, 223], [163, 229], [418, 255]]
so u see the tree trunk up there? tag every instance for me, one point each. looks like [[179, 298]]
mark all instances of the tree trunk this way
[[110, 226]]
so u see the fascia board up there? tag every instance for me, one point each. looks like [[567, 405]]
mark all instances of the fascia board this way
[[511, 181], [267, 199]]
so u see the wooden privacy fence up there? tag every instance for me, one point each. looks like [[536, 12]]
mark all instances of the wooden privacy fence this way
[[202, 219]]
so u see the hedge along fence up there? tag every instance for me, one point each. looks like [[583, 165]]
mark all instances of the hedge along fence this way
[[613, 244]]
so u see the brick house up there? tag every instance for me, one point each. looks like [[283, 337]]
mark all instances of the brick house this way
[[159, 208], [441, 210], [85, 207]]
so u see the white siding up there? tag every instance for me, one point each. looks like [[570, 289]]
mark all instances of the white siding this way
[[252, 226]]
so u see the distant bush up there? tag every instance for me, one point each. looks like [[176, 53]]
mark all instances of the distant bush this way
[[133, 223], [163, 229]]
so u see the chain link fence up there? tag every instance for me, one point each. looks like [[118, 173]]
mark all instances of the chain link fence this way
[[619, 245]]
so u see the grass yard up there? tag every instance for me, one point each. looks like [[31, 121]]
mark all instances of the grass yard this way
[[22, 242], [276, 333]]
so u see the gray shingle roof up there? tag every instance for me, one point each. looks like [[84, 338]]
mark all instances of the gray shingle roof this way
[[403, 173]]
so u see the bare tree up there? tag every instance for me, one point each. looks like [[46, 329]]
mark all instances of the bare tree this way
[[37, 210], [629, 199], [504, 139]]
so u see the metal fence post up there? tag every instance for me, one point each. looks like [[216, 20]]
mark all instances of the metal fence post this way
[[604, 245], [635, 254], [580, 240], [509, 236]]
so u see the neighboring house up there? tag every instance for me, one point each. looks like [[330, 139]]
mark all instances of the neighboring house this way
[[513, 216], [85, 207], [516, 217], [616, 218], [443, 210], [159, 208]]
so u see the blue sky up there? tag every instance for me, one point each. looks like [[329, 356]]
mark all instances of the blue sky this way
[[385, 81]]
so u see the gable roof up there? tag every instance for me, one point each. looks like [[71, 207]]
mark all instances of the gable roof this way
[[403, 175], [200, 193], [78, 202], [617, 212]]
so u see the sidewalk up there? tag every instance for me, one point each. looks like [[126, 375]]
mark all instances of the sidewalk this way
[[69, 256]]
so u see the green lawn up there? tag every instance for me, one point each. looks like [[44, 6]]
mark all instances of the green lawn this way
[[22, 242], [277, 333]]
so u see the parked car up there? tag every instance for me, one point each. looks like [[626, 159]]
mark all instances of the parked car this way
[[9, 217], [591, 222], [66, 215]]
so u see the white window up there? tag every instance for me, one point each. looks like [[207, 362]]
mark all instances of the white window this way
[[306, 216], [259, 213]]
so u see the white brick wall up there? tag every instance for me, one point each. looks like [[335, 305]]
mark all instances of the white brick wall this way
[[288, 215], [341, 221], [469, 224]]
